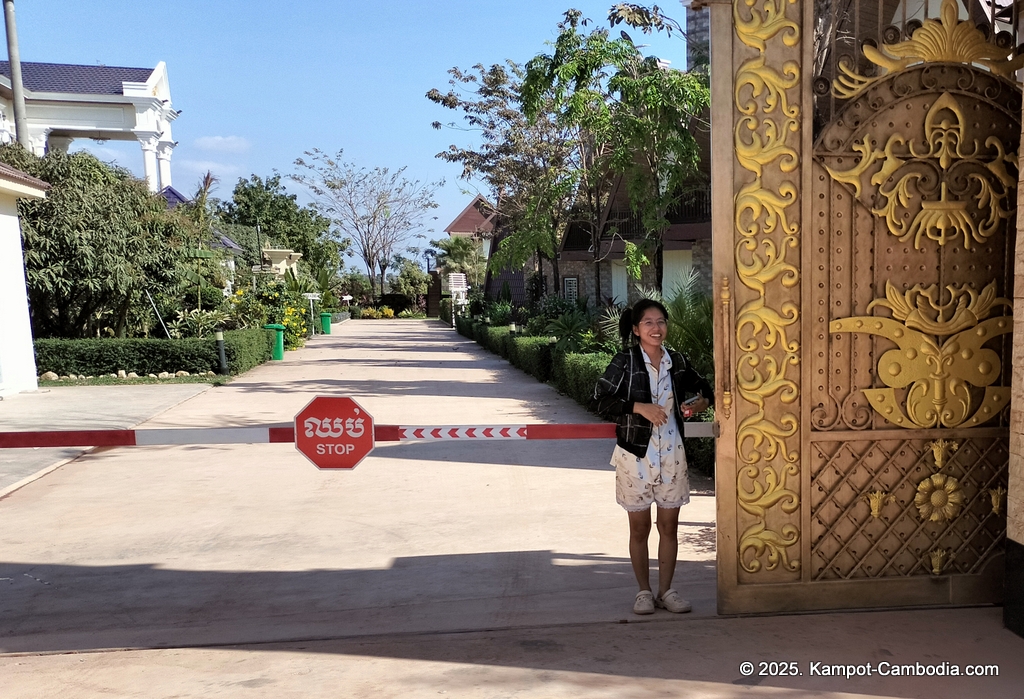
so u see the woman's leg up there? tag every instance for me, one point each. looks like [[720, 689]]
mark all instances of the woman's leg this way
[[668, 547], [639, 533]]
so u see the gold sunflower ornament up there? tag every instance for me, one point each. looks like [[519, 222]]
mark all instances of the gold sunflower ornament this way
[[939, 497]]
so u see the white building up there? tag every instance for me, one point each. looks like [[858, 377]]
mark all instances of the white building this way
[[64, 102], [17, 355]]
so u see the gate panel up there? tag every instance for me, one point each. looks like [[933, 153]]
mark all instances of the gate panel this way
[[867, 307]]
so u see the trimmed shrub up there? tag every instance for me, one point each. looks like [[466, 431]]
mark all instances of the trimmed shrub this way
[[480, 332], [496, 339], [576, 375], [244, 349], [532, 355], [464, 326], [444, 311]]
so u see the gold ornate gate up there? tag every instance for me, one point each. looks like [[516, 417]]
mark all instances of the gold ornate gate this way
[[863, 284]]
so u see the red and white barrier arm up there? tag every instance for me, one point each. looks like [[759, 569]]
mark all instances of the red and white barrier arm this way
[[285, 434]]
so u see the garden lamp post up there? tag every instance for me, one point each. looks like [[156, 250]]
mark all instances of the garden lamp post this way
[[219, 335]]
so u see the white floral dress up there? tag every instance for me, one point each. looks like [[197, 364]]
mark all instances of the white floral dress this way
[[660, 476]]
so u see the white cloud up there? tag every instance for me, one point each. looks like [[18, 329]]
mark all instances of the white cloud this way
[[223, 144], [223, 171]]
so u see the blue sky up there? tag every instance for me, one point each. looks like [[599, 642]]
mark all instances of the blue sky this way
[[259, 82]]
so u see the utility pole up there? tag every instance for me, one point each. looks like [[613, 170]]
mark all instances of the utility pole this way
[[17, 86]]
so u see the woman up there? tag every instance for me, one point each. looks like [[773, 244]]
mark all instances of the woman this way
[[643, 390]]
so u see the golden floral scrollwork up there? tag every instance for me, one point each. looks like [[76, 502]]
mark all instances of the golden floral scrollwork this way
[[766, 140], [765, 24], [938, 373], [939, 498], [996, 494], [938, 559], [757, 501], [876, 500], [941, 449], [947, 40], [944, 157], [754, 152]]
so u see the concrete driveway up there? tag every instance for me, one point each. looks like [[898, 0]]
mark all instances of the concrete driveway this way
[[474, 569], [76, 408]]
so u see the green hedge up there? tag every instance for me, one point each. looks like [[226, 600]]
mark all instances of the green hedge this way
[[244, 349], [532, 355], [575, 375]]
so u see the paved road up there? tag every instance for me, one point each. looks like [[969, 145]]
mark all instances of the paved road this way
[[432, 569], [77, 407]]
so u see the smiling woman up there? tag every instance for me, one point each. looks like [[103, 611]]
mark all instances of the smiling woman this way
[[643, 390]]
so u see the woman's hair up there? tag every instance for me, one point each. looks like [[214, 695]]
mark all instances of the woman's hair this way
[[632, 316]]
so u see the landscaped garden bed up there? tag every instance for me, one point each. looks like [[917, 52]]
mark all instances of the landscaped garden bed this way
[[570, 346]]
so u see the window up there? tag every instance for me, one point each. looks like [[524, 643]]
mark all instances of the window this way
[[570, 288]]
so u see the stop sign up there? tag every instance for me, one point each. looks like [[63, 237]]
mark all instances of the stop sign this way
[[334, 432]]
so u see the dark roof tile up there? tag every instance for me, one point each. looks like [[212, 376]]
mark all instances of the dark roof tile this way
[[64, 77]]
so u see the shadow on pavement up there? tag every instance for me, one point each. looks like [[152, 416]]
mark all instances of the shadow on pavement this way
[[47, 608]]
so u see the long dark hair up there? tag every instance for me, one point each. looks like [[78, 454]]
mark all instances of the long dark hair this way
[[632, 316]]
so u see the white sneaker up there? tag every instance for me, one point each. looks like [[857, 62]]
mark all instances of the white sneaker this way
[[673, 602], [644, 603]]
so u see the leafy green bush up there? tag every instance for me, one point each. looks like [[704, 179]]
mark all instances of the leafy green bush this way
[[244, 349], [571, 331], [356, 312], [444, 311], [532, 355], [553, 306], [576, 375], [496, 339], [464, 326], [480, 332], [196, 323], [500, 312]]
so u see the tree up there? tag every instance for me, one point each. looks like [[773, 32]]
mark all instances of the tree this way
[[377, 209], [93, 245], [457, 255], [411, 281], [528, 165], [265, 203], [634, 110]]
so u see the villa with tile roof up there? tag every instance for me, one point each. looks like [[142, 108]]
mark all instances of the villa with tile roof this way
[[64, 102]]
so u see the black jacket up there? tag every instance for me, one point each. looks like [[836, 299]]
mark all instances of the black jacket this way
[[626, 382]]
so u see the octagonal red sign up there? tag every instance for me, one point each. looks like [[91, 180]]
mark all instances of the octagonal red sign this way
[[334, 432]]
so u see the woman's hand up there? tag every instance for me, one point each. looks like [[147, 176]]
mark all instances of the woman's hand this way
[[654, 413], [698, 406]]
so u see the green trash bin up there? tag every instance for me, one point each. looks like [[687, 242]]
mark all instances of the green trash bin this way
[[325, 323], [278, 329]]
